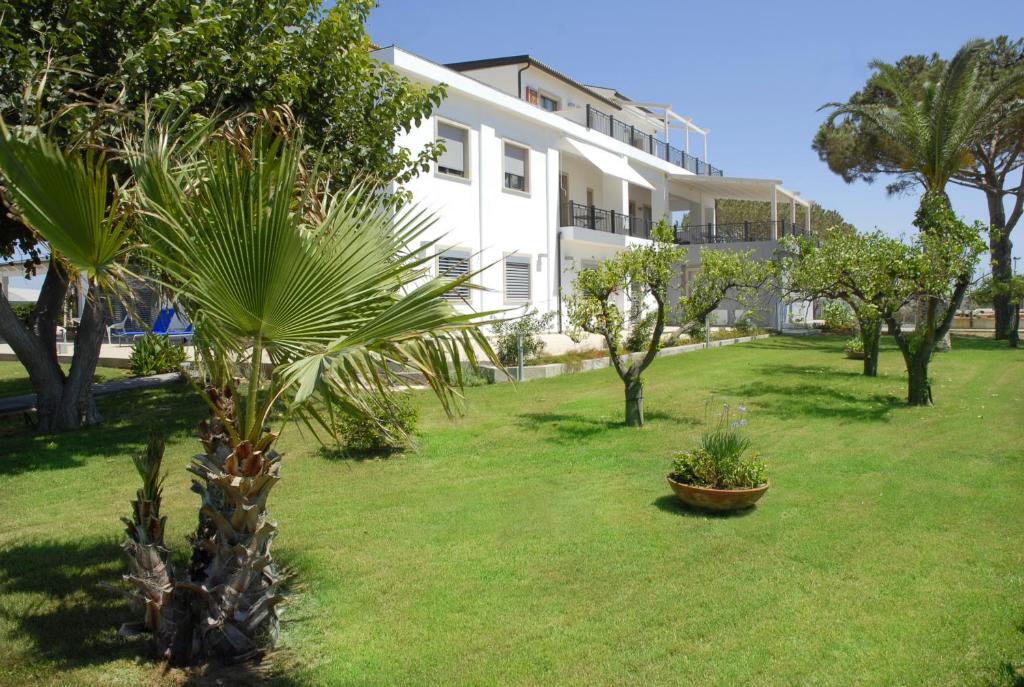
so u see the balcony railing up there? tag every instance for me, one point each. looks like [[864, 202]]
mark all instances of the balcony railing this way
[[590, 217], [608, 125], [738, 232]]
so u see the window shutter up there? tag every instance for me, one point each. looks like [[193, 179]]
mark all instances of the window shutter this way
[[517, 278], [515, 160], [453, 160], [454, 264]]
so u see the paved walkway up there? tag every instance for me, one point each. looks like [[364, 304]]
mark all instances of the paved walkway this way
[[18, 404]]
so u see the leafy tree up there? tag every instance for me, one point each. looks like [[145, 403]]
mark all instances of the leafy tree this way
[[722, 273], [991, 290], [521, 332], [85, 71], [936, 270], [728, 211], [856, 148], [643, 272], [857, 269]]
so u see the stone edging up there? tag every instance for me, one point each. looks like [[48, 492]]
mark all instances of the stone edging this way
[[531, 372]]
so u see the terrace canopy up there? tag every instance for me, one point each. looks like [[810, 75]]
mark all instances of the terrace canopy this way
[[609, 163]]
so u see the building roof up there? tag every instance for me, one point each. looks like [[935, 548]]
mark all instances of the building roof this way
[[472, 65]]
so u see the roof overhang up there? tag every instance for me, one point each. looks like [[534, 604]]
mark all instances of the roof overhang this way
[[738, 188], [607, 162]]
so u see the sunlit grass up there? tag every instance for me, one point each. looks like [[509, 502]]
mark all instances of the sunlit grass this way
[[535, 541]]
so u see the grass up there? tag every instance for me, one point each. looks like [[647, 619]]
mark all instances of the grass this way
[[534, 541], [14, 382]]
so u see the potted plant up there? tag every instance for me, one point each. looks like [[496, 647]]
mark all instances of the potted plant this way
[[720, 473], [855, 348]]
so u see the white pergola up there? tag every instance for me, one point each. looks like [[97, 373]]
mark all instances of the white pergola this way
[[740, 188], [672, 120]]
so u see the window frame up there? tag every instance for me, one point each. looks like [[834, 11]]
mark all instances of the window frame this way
[[529, 278], [543, 95], [526, 167], [467, 156]]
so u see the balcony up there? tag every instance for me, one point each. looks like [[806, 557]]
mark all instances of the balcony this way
[[608, 125], [589, 217], [738, 232]]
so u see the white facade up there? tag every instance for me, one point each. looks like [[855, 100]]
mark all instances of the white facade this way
[[586, 194]]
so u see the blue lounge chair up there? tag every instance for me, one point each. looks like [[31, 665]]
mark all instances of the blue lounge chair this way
[[160, 325]]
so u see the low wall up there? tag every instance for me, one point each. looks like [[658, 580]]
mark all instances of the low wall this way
[[530, 372]]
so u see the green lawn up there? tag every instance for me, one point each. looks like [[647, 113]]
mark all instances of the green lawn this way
[[14, 381], [535, 541]]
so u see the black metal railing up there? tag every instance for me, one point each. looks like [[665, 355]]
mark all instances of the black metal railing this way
[[617, 129], [738, 232], [590, 217]]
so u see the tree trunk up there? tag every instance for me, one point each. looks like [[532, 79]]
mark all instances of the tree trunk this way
[[870, 336], [919, 390], [1001, 251], [635, 403], [1014, 337], [62, 401]]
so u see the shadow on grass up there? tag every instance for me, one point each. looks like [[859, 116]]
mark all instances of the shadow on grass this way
[[575, 427], [53, 596], [127, 419], [670, 504], [788, 402]]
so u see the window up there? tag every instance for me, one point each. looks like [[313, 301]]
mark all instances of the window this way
[[548, 103], [455, 158], [453, 264], [517, 163], [517, 278]]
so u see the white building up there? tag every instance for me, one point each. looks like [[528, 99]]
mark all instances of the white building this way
[[543, 175]]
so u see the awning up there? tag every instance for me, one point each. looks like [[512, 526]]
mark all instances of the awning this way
[[737, 188], [609, 163]]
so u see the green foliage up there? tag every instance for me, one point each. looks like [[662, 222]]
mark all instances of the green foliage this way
[[923, 118], [722, 273], [854, 346], [153, 354], [729, 211], [839, 317], [721, 459], [88, 68], [986, 291], [23, 310], [529, 327], [389, 430], [639, 336]]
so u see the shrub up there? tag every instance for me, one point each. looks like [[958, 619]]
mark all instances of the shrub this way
[[22, 310], [391, 430], [529, 327], [745, 325], [152, 355], [839, 318], [639, 337], [855, 346], [721, 459]]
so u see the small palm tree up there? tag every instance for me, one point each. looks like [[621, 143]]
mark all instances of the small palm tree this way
[[331, 289], [328, 289]]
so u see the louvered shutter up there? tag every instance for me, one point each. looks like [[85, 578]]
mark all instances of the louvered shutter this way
[[517, 278], [454, 264]]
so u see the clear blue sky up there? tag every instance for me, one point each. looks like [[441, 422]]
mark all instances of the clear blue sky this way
[[755, 73]]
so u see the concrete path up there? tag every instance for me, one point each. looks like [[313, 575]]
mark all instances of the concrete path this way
[[26, 402]]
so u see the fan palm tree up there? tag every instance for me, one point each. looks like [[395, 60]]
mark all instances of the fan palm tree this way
[[329, 290]]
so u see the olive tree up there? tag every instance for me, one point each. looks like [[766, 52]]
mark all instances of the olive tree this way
[[643, 272], [857, 269], [723, 273]]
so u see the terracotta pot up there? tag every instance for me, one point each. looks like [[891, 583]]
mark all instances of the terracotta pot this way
[[855, 355], [717, 499]]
